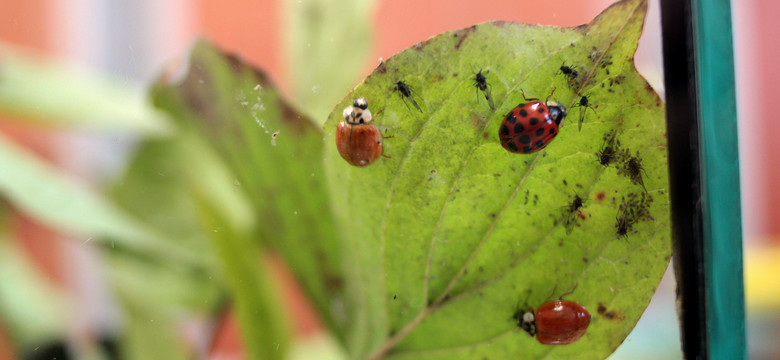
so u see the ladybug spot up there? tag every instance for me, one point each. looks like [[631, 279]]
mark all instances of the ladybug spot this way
[[540, 109], [539, 131], [527, 149], [519, 128], [512, 146], [523, 113], [552, 131], [504, 130], [534, 121], [525, 139], [539, 143], [511, 119]]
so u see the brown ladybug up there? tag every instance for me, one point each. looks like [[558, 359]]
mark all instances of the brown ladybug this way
[[557, 322], [357, 138]]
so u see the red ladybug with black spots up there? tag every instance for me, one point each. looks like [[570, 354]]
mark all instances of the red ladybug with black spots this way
[[530, 126]]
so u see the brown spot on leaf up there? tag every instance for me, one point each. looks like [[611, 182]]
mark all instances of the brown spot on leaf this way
[[600, 196], [462, 34], [477, 121], [609, 314]]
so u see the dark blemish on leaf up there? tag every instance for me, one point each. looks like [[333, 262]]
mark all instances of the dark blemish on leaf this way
[[462, 34], [430, 178], [493, 215], [609, 314], [455, 75], [395, 296], [600, 196], [564, 182], [496, 175], [485, 135], [477, 121], [578, 185], [584, 259], [481, 269]]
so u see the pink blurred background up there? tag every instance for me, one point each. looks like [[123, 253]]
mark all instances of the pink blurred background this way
[[135, 39]]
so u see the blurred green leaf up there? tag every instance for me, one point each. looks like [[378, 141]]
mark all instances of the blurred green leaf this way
[[453, 225], [33, 310], [274, 156], [48, 196], [257, 299], [58, 95], [151, 334], [328, 43]]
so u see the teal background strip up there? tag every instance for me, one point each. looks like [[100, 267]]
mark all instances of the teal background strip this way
[[725, 308]]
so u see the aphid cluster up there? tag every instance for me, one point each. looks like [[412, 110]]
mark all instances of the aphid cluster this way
[[628, 165], [631, 166], [609, 149], [634, 208]]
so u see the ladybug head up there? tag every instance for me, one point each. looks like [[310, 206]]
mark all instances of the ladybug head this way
[[358, 113], [557, 111], [527, 322]]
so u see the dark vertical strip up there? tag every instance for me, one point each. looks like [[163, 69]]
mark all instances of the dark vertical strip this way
[[720, 180], [682, 121]]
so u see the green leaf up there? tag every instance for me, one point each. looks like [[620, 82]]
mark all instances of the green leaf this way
[[58, 95], [48, 196], [233, 117], [256, 296], [450, 235], [31, 307], [328, 45]]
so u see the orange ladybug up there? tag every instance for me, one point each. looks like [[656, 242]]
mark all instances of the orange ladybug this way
[[358, 140]]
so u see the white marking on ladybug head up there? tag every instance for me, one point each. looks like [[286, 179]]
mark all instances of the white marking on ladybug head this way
[[366, 115], [361, 103], [348, 114], [528, 317]]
